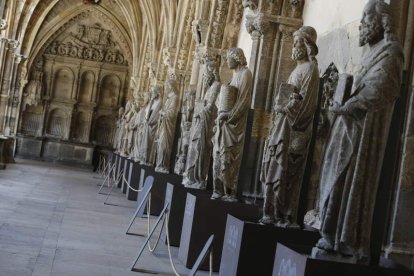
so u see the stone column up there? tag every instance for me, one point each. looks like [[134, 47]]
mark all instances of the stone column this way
[[400, 244]]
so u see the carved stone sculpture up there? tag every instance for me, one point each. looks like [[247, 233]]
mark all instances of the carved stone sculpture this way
[[146, 152], [231, 128], [166, 127], [127, 134], [186, 119], [286, 147], [137, 125], [119, 130], [355, 151], [122, 129], [201, 133], [34, 89], [133, 123]]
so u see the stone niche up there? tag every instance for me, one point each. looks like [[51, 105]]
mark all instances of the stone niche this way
[[85, 76]]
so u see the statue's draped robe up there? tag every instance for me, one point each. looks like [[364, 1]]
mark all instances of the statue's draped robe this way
[[127, 133], [149, 129], [138, 129], [166, 131], [201, 134], [354, 154], [118, 133], [229, 137], [282, 170]]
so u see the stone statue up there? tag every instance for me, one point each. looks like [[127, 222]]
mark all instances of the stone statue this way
[[137, 125], [132, 125], [234, 103], [122, 129], [186, 119], [286, 147], [34, 89], [355, 151], [127, 134], [201, 133], [146, 152], [118, 131], [166, 127]]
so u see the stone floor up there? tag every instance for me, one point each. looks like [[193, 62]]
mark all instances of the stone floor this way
[[53, 222]]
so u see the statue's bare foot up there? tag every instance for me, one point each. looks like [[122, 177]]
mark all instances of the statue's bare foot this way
[[266, 220], [216, 195], [325, 245], [229, 198]]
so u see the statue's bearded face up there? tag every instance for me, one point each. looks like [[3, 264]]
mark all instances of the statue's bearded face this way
[[370, 30], [299, 51], [232, 62], [208, 77]]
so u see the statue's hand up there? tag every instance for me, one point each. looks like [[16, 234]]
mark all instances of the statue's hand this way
[[223, 116], [272, 150], [336, 108], [280, 109]]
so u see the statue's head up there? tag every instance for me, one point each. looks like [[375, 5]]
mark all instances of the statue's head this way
[[171, 86], [376, 23], [304, 44], [235, 58], [155, 91], [211, 72]]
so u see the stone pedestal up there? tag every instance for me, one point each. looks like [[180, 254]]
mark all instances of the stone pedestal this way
[[136, 179], [249, 248], [290, 262], [203, 217], [3, 142], [119, 168], [127, 175], [159, 188], [176, 195]]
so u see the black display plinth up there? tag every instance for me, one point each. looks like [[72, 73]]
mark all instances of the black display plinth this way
[[127, 165], [135, 179], [176, 195], [120, 168], [203, 217], [288, 261], [249, 248], [159, 188]]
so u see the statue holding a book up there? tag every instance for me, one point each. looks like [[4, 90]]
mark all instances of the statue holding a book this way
[[287, 145], [354, 154]]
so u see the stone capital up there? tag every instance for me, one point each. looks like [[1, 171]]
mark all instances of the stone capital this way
[[208, 53], [258, 25]]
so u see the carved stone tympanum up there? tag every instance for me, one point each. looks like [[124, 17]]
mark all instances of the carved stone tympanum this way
[[355, 151], [201, 133], [231, 127], [286, 147]]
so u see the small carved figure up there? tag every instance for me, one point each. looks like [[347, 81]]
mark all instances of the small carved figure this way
[[355, 151], [166, 127], [231, 128], [201, 133], [127, 133], [286, 148]]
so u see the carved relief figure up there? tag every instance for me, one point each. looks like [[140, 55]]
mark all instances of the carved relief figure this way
[[201, 133], [235, 99], [355, 151], [146, 154], [119, 130], [166, 129], [132, 127], [286, 147], [187, 117]]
